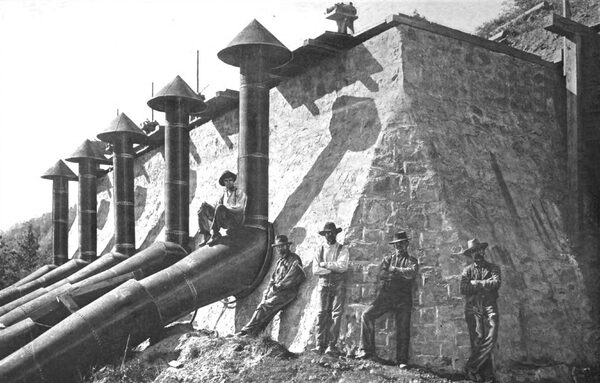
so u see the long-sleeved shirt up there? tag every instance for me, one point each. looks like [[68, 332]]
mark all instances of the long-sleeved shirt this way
[[396, 274], [487, 279], [234, 199], [288, 274], [335, 259]]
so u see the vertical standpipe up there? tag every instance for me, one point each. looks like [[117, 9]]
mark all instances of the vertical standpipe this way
[[122, 133], [88, 156], [178, 101], [254, 50], [60, 174]]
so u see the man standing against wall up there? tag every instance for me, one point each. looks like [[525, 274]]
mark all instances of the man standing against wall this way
[[282, 289], [479, 283], [396, 277], [330, 264], [227, 213]]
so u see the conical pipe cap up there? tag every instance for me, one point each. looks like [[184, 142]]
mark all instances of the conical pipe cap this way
[[60, 170], [122, 125], [251, 38], [177, 90], [88, 150]]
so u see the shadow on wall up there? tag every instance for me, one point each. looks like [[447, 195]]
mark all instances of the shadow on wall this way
[[141, 194], [307, 89], [354, 126], [154, 232], [227, 125], [103, 211]]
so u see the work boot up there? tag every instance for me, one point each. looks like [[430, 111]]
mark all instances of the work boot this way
[[213, 239], [472, 376], [205, 238]]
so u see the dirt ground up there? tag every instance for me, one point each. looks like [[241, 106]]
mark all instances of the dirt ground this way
[[187, 355]]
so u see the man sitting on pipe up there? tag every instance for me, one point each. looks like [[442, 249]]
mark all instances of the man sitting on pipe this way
[[281, 291], [227, 213]]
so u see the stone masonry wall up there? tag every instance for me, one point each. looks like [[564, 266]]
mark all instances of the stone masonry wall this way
[[415, 131]]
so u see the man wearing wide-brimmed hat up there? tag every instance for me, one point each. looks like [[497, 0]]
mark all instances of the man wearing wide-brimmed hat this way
[[227, 213], [330, 264], [479, 284], [396, 276], [282, 289]]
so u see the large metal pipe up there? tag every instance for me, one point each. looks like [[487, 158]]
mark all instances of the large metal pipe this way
[[122, 133], [88, 157], [60, 174], [29, 328], [99, 265], [177, 100], [254, 50], [147, 262], [138, 309], [35, 275], [62, 271]]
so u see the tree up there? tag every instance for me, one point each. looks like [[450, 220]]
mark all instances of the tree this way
[[27, 250]]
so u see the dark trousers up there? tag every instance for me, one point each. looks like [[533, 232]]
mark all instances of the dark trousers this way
[[329, 319], [367, 329], [483, 322], [210, 218], [266, 311]]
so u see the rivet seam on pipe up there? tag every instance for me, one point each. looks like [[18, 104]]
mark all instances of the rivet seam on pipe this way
[[88, 253], [60, 220], [192, 288], [124, 203], [127, 245], [88, 176], [256, 216], [125, 155], [254, 85], [61, 192], [88, 211], [94, 333], [178, 125], [175, 182], [255, 155], [177, 232]]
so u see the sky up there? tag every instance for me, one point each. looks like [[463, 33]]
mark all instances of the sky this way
[[67, 66]]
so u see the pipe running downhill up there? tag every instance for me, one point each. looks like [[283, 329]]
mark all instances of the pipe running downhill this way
[[234, 266]]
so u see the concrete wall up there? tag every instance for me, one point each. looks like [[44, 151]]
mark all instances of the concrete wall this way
[[422, 132]]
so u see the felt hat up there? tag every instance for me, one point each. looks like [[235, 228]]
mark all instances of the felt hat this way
[[474, 244], [330, 227], [281, 240], [399, 237], [226, 174]]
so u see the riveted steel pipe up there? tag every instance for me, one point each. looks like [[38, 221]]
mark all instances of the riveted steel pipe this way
[[35, 275], [147, 262], [254, 50], [177, 175], [177, 100], [137, 310], [253, 156], [122, 133], [87, 209], [60, 219], [99, 265], [123, 158]]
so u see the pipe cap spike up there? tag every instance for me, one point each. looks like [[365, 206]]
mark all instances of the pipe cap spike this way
[[251, 38], [60, 170], [122, 125], [91, 150], [177, 90]]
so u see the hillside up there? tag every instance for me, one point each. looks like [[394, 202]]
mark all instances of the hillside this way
[[528, 33]]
